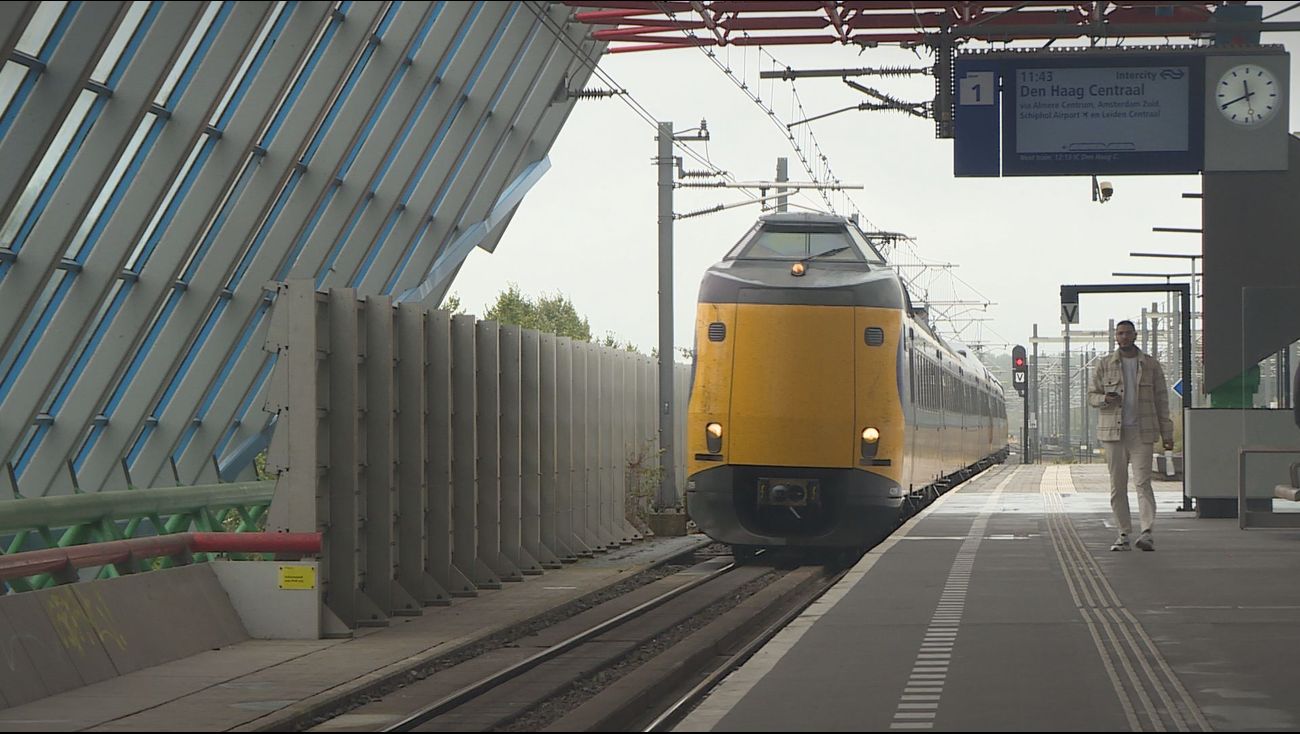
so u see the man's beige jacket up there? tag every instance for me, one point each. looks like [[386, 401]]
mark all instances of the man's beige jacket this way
[[1153, 398]]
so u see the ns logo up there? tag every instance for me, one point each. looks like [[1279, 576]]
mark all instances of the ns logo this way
[[1172, 73]]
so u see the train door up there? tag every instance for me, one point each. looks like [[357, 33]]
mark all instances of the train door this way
[[988, 421], [963, 451], [912, 408], [944, 437]]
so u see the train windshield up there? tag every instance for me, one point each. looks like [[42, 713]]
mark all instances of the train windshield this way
[[797, 241]]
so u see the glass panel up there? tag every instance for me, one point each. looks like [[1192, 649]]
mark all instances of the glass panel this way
[[873, 255], [120, 39], [187, 54], [38, 30], [27, 438], [823, 242], [248, 60], [778, 244], [109, 188], [46, 168], [85, 347], [20, 349], [213, 229], [795, 242], [1268, 317], [133, 262], [300, 76], [10, 79]]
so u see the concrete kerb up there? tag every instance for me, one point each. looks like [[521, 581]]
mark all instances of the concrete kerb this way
[[297, 715]]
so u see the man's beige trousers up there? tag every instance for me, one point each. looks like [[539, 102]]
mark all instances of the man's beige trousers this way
[[1118, 455]]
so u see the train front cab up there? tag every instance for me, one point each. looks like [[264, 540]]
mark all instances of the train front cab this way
[[782, 398]]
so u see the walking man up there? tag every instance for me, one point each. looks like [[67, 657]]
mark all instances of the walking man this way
[[1129, 389]]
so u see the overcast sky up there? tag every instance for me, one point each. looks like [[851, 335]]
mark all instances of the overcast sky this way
[[588, 228]]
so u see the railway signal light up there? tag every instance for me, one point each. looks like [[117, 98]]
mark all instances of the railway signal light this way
[[1019, 370]]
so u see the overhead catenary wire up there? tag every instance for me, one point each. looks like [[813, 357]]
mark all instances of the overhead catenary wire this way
[[1290, 7], [772, 114], [538, 9], [820, 156], [812, 157]]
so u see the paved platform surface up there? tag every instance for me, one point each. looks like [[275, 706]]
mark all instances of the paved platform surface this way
[[263, 685], [1001, 608]]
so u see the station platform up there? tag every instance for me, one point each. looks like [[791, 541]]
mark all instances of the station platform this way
[[279, 685], [1002, 608]]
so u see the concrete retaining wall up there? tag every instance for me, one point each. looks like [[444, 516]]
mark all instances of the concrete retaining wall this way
[[71, 636]]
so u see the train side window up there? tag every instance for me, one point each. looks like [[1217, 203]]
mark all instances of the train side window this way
[[929, 384], [923, 381], [911, 374], [941, 380], [923, 378]]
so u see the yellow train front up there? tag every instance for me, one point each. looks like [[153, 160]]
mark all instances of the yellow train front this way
[[819, 399]]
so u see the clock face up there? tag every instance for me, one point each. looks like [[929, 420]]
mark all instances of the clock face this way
[[1248, 95]]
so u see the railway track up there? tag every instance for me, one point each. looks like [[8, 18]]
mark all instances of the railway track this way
[[615, 674], [534, 679], [638, 662], [614, 666]]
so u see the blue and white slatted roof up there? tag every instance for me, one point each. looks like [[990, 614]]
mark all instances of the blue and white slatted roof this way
[[163, 163]]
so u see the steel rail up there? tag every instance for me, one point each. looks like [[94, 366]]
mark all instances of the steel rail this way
[[474, 690], [681, 706]]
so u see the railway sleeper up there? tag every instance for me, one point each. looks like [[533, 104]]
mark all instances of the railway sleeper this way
[[633, 701], [515, 697]]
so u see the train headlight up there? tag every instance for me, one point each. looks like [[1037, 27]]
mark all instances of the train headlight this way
[[870, 442], [798, 269], [713, 437]]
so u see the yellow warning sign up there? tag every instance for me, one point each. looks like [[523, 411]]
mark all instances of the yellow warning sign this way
[[297, 577]]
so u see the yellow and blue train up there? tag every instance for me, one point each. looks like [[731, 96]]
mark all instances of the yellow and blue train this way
[[822, 400]]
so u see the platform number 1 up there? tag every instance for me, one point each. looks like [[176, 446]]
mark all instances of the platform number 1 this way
[[976, 88]]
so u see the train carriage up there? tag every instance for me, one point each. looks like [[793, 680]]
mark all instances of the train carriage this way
[[821, 399]]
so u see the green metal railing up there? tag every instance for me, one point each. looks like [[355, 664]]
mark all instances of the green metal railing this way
[[59, 522]]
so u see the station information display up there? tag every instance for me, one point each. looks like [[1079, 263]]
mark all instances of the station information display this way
[[1112, 109], [1114, 119], [1117, 112]]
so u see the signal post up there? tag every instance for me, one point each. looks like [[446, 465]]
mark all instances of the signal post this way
[[1020, 378]]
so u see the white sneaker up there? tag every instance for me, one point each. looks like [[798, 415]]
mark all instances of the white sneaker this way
[[1145, 543], [1121, 543]]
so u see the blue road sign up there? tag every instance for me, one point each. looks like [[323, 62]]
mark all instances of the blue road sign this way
[[1178, 388]]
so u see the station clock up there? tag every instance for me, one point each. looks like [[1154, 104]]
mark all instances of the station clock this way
[[1248, 95]]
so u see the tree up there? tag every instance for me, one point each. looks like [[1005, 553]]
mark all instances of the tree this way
[[612, 342], [452, 303], [552, 314], [556, 314]]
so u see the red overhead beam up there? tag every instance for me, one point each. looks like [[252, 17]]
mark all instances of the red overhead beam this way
[[644, 26]]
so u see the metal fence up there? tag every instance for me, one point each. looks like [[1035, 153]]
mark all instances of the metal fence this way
[[37, 523], [439, 454]]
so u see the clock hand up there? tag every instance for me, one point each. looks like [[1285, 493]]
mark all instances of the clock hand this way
[[1229, 103]]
